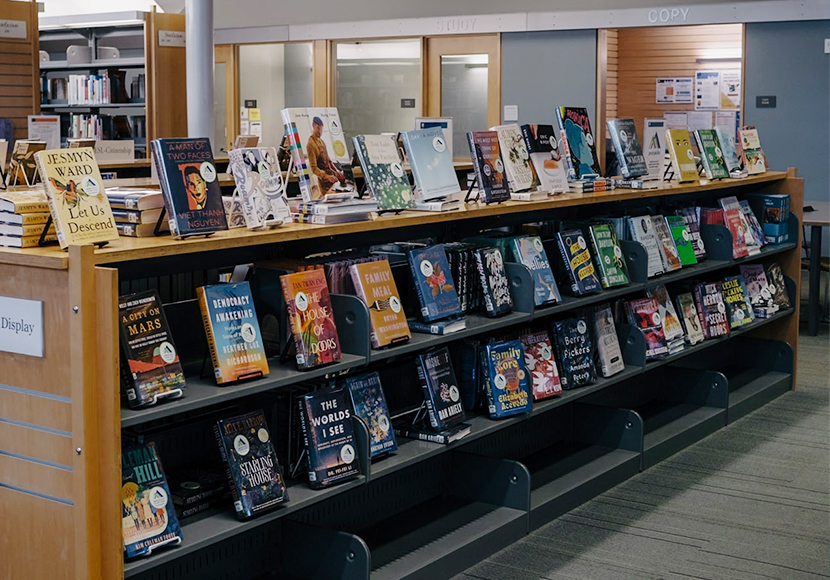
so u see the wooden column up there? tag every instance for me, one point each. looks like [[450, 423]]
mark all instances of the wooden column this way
[[20, 68]]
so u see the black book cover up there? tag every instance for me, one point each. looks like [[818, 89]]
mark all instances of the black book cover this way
[[328, 433], [494, 283], [441, 392], [578, 263], [574, 351]]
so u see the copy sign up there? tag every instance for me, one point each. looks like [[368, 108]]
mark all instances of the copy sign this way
[[21, 326]]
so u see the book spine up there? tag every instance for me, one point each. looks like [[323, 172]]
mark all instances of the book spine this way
[[565, 146], [430, 437], [214, 355], [487, 292], [413, 166], [425, 310], [361, 293], [299, 345], [433, 416], [425, 327], [568, 265], [707, 167], [477, 165], [305, 425], [50, 198], [492, 408], [223, 451]]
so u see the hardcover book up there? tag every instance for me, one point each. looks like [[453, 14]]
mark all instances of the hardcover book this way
[[76, 198], [752, 222], [434, 283], [777, 285], [689, 318], [259, 182], [542, 141], [690, 218], [20, 202], [644, 313], [488, 165], [541, 365], [494, 283], [608, 345], [737, 304], [460, 431], [505, 380], [232, 330], [726, 140], [383, 171], [613, 270], [737, 227], [682, 239], [773, 211], [711, 309], [152, 370], [734, 216], [530, 252], [375, 286], [441, 393], [438, 327], [752, 155], [642, 230], [328, 436], [654, 146], [148, 519], [668, 250], [757, 288], [251, 464], [574, 351], [311, 318], [578, 263], [682, 158], [431, 163], [190, 185], [299, 163], [711, 154], [627, 147], [519, 170], [369, 404], [672, 328], [578, 142]]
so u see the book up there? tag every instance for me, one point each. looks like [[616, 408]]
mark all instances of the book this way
[[520, 173], [27, 231], [75, 193], [752, 154], [733, 219], [438, 327], [578, 142], [375, 286], [442, 396], [140, 230], [299, 163], [711, 309], [574, 352], [442, 438], [258, 179], [540, 364], [753, 223], [682, 239], [232, 330], [690, 218], [613, 271], [642, 230], [19, 202], [644, 313], [672, 327], [151, 367], [488, 165], [24, 219], [494, 283], [726, 140], [134, 198], [578, 263], [737, 304], [682, 158], [148, 518], [633, 184], [328, 436], [311, 318], [505, 379], [529, 251], [383, 171], [757, 288], [197, 484], [128, 216], [251, 464], [340, 208], [668, 249], [443, 123], [26, 242], [711, 154], [433, 282], [190, 186], [627, 146], [432, 168], [542, 141], [777, 285], [326, 219], [369, 404], [692, 327], [609, 353], [654, 146], [773, 212]]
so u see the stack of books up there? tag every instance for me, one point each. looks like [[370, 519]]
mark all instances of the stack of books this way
[[23, 215], [137, 211], [327, 212]]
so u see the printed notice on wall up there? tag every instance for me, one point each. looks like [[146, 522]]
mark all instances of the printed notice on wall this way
[[46, 128], [707, 90], [730, 89], [683, 90], [12, 29], [21, 326], [665, 90]]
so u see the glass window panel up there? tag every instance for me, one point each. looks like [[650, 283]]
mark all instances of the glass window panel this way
[[464, 94], [219, 142]]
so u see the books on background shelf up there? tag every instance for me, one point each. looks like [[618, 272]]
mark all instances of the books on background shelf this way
[[442, 397], [752, 154], [383, 171], [578, 142], [627, 146], [438, 327], [135, 199], [540, 364], [577, 261], [530, 252], [609, 354], [644, 313], [689, 318], [375, 286], [711, 309], [494, 283], [143, 205], [641, 229], [433, 282], [197, 488], [505, 379], [369, 404], [542, 141], [443, 438], [758, 291], [682, 158], [23, 215], [489, 166], [735, 296], [773, 212], [574, 351], [432, 168], [128, 216], [521, 175], [258, 179], [711, 154]]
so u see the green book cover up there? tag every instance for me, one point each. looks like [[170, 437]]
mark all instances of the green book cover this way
[[711, 154], [682, 239], [383, 171], [612, 267]]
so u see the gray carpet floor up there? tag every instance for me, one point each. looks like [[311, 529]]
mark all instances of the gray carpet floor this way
[[749, 502]]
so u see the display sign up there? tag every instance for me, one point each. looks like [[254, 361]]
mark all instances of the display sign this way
[[171, 38], [665, 90], [12, 29], [707, 90], [46, 128], [114, 151], [21, 326]]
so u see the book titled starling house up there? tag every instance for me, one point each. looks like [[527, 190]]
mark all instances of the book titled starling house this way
[[530, 252], [328, 435], [442, 395], [148, 519], [190, 186], [433, 283], [738, 306], [251, 464], [608, 345], [711, 309], [488, 165], [542, 142], [627, 146], [369, 404], [578, 263], [383, 171], [232, 330], [505, 380], [644, 313], [494, 283], [311, 318], [578, 142], [683, 240], [540, 365], [75, 194], [376, 287], [150, 361], [613, 270], [574, 350]]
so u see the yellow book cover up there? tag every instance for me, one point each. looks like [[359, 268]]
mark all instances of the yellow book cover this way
[[23, 202], [77, 200], [682, 158]]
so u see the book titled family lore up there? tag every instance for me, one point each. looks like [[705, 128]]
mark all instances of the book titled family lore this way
[[505, 380], [311, 318]]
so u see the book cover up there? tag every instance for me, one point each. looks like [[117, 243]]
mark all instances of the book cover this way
[[773, 211], [148, 519], [505, 381], [737, 227], [613, 270], [672, 328], [259, 182], [149, 356], [443, 438], [254, 474], [488, 165], [753, 223], [645, 315], [690, 218], [711, 154], [529, 251], [232, 330], [654, 146], [431, 163], [627, 147], [575, 131], [682, 239], [726, 140], [609, 353], [190, 186], [751, 153], [668, 249], [578, 262], [642, 231], [574, 351], [737, 305], [20, 202], [758, 291], [299, 162], [494, 282], [542, 141], [328, 435], [777, 286], [541, 365], [369, 404], [376, 287], [75, 193], [311, 318], [383, 171], [682, 158], [433, 282], [689, 318], [441, 393], [517, 165], [711, 309]]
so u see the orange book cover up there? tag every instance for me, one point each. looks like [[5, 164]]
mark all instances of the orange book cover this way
[[374, 285], [311, 318]]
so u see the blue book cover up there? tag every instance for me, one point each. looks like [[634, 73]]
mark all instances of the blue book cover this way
[[530, 252], [506, 379], [369, 404], [328, 434], [434, 283], [431, 163]]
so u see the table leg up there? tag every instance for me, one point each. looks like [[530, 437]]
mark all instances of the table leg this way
[[815, 280]]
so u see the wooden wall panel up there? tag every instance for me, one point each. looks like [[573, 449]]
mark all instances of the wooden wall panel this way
[[166, 79], [20, 68]]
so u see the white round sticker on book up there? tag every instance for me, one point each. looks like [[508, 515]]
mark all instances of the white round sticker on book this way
[[90, 186], [721, 307], [618, 252], [537, 243], [685, 235], [523, 151], [689, 154], [383, 423], [394, 304], [581, 327], [426, 268], [262, 435], [208, 172], [438, 144], [264, 170], [241, 445], [623, 136], [655, 318], [607, 260], [590, 139], [581, 241], [740, 314], [396, 169], [499, 166], [167, 352], [301, 301], [158, 497], [545, 352], [334, 127], [487, 170], [500, 381], [454, 393], [347, 453], [248, 332]]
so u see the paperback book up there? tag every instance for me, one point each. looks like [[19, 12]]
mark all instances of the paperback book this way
[[737, 304], [505, 379], [627, 146], [494, 283], [433, 283], [683, 240], [431, 163], [689, 318], [654, 146], [578, 142], [682, 158], [574, 351], [734, 217], [711, 309], [489, 166], [613, 271], [299, 163], [442, 397], [541, 365], [529, 251], [711, 154], [328, 436], [777, 285], [758, 290], [644, 313], [751, 153], [542, 141], [672, 327], [726, 140], [520, 173], [259, 183], [578, 263], [383, 171], [375, 286], [773, 211], [369, 404], [642, 231], [668, 249], [609, 354], [690, 218]]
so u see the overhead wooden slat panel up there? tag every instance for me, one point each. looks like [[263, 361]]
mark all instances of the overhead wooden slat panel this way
[[19, 67]]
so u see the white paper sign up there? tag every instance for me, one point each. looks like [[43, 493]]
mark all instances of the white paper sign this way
[[699, 120], [21, 326], [114, 151], [730, 89], [46, 128], [511, 113], [12, 29], [683, 89], [665, 91], [707, 90], [171, 38], [676, 120]]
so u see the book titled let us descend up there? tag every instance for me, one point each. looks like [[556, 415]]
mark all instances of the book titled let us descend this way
[[76, 196], [251, 464], [375, 286], [383, 171], [148, 519], [190, 186], [494, 283], [232, 330], [151, 366], [489, 165], [311, 318], [328, 435], [442, 395], [541, 365], [530, 252], [259, 182], [505, 379], [369, 404], [433, 282]]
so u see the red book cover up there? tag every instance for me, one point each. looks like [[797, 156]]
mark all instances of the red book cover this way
[[311, 318], [732, 219], [541, 365]]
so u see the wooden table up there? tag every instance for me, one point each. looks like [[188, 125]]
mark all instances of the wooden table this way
[[817, 220]]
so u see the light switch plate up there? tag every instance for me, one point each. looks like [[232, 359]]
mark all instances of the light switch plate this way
[[511, 113]]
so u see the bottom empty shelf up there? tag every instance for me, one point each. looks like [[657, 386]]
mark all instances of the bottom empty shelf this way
[[752, 388], [671, 427]]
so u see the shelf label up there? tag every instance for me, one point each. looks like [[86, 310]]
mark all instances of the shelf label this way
[[115, 151], [13, 29], [171, 38], [21, 326]]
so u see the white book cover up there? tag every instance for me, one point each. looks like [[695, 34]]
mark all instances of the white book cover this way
[[654, 146], [514, 153], [642, 230], [444, 122], [259, 182]]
